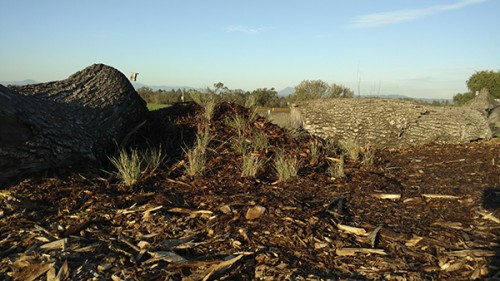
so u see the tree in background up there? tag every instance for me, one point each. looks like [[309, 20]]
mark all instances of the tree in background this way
[[265, 97], [309, 90], [479, 80], [340, 91], [485, 79], [316, 89]]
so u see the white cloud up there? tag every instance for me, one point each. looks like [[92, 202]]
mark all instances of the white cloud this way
[[246, 29], [387, 18]]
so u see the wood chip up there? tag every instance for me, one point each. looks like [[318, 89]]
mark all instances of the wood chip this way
[[226, 209], [33, 271], [189, 211], [63, 273], [58, 244], [219, 268], [386, 196], [255, 212], [473, 253], [414, 241], [352, 229], [165, 256], [449, 267], [353, 251], [440, 196], [372, 236], [489, 216]]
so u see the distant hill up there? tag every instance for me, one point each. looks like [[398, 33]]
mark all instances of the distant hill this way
[[286, 92], [427, 100], [166, 88], [19, 83]]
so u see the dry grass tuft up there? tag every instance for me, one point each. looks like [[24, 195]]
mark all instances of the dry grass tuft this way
[[351, 148], [133, 165], [286, 166], [368, 155], [336, 168], [251, 165], [239, 123]]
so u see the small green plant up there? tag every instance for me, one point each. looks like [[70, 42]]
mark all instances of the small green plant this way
[[286, 166], [336, 168], [251, 165], [132, 166], [351, 148]]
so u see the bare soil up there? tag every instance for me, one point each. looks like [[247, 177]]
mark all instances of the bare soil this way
[[439, 222]]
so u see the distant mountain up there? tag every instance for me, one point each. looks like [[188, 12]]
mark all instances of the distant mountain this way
[[286, 92], [427, 100], [19, 83], [386, 96], [156, 88]]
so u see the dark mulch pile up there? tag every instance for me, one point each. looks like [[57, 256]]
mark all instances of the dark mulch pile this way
[[423, 213]]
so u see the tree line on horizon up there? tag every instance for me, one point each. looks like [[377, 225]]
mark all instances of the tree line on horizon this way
[[305, 90], [265, 97]]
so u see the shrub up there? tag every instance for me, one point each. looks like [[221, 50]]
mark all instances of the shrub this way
[[286, 166]]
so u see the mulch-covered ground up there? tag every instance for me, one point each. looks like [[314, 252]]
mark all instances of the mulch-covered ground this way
[[423, 213]]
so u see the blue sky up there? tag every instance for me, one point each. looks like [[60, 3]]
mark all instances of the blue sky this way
[[417, 48]]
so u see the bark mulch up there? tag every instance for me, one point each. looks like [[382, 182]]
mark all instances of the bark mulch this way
[[424, 213]]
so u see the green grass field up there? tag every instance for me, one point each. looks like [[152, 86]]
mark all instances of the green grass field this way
[[156, 106]]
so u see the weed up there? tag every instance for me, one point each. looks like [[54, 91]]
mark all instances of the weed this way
[[251, 165], [286, 166], [336, 168], [351, 148]]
